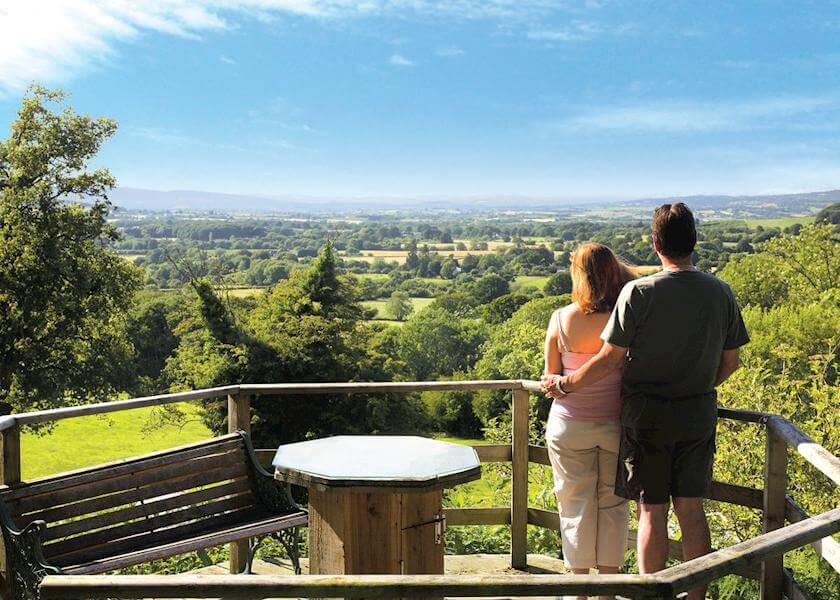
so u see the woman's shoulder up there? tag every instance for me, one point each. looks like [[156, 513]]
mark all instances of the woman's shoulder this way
[[566, 312]]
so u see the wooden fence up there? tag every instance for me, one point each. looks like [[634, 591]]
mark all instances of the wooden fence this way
[[759, 558]]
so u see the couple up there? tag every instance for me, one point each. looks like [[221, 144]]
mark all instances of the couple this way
[[632, 366]]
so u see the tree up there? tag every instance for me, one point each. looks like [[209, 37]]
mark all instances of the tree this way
[[435, 343], [559, 283], [514, 351], [797, 267], [62, 291], [400, 306], [489, 287], [830, 214], [151, 336], [449, 269], [305, 329]]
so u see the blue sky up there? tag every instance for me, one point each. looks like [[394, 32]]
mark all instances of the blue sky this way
[[565, 99]]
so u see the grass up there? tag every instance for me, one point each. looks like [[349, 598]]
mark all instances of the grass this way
[[85, 441], [245, 292], [537, 281], [462, 440], [382, 306], [781, 223]]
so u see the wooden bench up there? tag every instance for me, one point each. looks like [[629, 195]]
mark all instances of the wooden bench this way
[[143, 509]]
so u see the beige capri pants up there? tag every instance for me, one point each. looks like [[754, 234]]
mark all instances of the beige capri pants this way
[[593, 520]]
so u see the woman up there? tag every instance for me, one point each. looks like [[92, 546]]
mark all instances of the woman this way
[[583, 428]]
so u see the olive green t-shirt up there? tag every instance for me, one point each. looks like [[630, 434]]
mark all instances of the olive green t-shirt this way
[[675, 326]]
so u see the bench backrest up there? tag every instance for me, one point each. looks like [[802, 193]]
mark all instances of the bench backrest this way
[[141, 502]]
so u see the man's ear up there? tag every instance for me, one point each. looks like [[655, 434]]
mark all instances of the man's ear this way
[[655, 244]]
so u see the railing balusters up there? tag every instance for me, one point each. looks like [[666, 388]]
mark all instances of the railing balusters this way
[[519, 484], [10, 465], [775, 489], [239, 418]]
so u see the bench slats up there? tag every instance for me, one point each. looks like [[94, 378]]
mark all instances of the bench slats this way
[[130, 481], [147, 509], [163, 549], [156, 506], [85, 476], [102, 503], [146, 538], [123, 530]]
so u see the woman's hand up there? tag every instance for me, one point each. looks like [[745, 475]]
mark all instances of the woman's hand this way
[[551, 385]]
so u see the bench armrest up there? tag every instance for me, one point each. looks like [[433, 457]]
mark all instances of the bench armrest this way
[[25, 560], [274, 495]]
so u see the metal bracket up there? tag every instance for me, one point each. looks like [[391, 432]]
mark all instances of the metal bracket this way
[[439, 522]]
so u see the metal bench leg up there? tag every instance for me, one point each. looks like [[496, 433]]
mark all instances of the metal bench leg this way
[[253, 545], [290, 539]]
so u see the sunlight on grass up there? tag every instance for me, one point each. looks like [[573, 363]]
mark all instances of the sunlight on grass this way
[[84, 441]]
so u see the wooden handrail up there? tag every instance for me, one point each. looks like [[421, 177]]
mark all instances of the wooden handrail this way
[[737, 559], [705, 569], [131, 587]]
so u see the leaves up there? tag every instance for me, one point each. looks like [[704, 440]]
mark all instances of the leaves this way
[[63, 294]]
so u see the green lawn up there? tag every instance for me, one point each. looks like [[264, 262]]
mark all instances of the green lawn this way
[[85, 441], [537, 281], [382, 306], [781, 223]]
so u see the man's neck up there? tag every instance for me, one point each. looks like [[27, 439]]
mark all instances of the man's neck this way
[[670, 264]]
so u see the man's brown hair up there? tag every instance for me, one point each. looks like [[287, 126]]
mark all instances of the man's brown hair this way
[[674, 232]]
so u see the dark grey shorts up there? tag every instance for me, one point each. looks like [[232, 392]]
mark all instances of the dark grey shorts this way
[[655, 465]]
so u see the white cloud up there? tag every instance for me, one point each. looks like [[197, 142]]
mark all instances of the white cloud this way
[[160, 135], [448, 51], [794, 112], [226, 60], [51, 40], [399, 60], [576, 31]]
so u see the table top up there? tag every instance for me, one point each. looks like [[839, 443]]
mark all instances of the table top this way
[[377, 461]]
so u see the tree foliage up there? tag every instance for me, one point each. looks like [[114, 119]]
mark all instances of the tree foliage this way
[[796, 267], [62, 292]]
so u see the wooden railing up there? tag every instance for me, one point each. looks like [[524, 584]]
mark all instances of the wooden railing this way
[[759, 558]]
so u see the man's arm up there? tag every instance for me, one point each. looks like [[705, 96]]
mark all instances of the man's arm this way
[[730, 361], [608, 359]]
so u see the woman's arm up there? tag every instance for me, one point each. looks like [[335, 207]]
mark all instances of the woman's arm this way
[[553, 361]]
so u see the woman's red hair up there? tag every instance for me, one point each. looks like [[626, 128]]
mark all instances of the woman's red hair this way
[[597, 277]]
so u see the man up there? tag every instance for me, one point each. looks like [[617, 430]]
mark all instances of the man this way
[[678, 335]]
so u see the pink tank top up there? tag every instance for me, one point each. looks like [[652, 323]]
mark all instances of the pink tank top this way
[[601, 401]]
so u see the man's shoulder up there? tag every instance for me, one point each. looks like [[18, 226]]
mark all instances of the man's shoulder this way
[[643, 283]]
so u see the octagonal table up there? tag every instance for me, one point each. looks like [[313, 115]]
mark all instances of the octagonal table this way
[[375, 501]]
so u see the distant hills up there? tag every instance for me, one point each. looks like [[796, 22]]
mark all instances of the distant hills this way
[[708, 206]]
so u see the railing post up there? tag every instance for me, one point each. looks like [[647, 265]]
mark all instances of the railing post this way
[[775, 488], [519, 491], [10, 465], [239, 417]]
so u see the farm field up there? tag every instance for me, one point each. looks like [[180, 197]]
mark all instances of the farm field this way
[[781, 223]]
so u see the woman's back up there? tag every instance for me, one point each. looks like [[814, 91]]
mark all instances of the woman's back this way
[[578, 339]]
